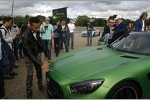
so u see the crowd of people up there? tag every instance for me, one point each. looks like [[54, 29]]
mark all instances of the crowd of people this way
[[28, 41], [116, 28]]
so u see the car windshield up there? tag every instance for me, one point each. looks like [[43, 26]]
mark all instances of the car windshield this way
[[138, 43]]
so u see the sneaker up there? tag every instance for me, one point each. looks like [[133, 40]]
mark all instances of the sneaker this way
[[29, 96], [4, 98]]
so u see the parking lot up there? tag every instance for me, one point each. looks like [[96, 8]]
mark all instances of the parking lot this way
[[15, 89]]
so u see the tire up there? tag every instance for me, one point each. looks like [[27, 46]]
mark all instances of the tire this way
[[124, 90], [99, 33], [93, 34]]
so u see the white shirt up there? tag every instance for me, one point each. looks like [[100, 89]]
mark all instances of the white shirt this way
[[34, 34], [63, 26], [143, 25], [71, 27]]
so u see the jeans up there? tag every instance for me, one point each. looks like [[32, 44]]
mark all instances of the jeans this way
[[15, 45], [30, 68], [56, 45], [21, 50], [89, 37], [65, 41], [47, 48], [71, 37]]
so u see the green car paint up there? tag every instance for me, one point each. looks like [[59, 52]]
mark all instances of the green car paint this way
[[100, 63]]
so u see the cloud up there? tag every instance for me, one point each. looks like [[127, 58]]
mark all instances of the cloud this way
[[95, 8]]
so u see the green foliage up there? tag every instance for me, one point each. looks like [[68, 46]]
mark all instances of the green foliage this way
[[128, 21], [19, 19], [82, 20], [148, 20], [99, 22], [41, 18]]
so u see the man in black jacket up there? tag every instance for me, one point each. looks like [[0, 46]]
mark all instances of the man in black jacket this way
[[32, 49], [107, 33], [120, 29], [63, 31]]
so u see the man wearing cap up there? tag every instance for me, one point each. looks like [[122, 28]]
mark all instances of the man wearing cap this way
[[120, 29], [47, 35]]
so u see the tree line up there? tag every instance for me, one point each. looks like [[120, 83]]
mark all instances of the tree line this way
[[80, 20]]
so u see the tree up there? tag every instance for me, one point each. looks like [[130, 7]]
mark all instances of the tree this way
[[82, 20], [19, 19], [148, 20], [27, 17], [99, 22], [128, 21], [41, 18]]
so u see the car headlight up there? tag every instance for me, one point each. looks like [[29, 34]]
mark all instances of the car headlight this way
[[86, 87]]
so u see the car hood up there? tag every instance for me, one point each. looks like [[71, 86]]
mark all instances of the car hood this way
[[89, 61]]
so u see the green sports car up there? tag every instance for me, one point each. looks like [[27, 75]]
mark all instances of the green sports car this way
[[118, 71]]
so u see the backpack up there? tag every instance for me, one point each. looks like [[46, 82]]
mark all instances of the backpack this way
[[4, 30], [8, 58]]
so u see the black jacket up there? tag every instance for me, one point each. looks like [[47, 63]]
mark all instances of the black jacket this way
[[32, 47], [120, 30], [106, 30], [89, 27], [65, 32]]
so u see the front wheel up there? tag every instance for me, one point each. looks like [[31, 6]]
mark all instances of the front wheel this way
[[99, 34], [124, 90], [94, 35]]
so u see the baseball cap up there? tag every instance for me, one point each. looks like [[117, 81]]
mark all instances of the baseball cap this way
[[119, 17], [47, 18]]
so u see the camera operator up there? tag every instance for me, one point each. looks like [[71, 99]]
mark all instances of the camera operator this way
[[47, 34]]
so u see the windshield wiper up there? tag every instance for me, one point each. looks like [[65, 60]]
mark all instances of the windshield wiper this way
[[109, 46]]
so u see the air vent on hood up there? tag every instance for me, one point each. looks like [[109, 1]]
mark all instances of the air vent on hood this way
[[131, 57]]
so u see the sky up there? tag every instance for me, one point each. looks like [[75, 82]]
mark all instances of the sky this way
[[93, 8]]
